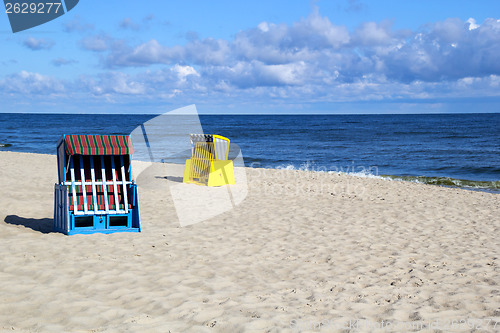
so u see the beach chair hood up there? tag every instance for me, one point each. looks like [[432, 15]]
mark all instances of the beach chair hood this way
[[98, 145]]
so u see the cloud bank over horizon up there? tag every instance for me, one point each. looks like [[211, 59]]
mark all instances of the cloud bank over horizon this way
[[309, 61]]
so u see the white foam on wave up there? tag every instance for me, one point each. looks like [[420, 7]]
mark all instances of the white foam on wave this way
[[306, 166], [312, 167], [360, 174]]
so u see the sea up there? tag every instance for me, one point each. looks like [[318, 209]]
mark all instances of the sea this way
[[454, 150]]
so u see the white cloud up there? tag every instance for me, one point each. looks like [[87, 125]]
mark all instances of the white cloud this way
[[184, 71], [150, 52], [78, 25], [287, 74], [62, 62], [114, 83], [96, 43], [263, 26], [373, 34], [318, 32], [28, 83], [472, 24], [37, 44], [127, 23]]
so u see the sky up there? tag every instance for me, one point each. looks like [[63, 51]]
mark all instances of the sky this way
[[234, 57]]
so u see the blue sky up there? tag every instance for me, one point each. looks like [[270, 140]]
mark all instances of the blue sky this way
[[343, 56]]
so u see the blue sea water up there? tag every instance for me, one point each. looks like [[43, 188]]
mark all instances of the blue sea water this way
[[446, 149]]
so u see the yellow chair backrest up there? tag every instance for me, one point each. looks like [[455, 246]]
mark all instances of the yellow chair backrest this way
[[219, 145], [200, 161]]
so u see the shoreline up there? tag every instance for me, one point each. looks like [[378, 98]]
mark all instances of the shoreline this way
[[442, 181], [485, 186]]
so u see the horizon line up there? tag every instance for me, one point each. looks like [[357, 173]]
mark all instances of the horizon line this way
[[254, 114]]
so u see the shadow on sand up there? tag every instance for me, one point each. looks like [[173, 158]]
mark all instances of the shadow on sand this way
[[41, 225], [172, 178]]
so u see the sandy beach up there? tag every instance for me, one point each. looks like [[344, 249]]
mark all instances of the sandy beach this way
[[303, 251]]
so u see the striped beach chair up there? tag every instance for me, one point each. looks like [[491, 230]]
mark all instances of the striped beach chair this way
[[209, 164], [95, 192]]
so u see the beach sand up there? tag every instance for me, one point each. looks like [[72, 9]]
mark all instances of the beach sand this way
[[301, 248]]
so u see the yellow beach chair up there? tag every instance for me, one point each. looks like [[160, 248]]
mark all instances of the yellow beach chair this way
[[209, 164]]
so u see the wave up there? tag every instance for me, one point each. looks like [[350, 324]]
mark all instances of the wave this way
[[481, 185], [477, 185], [5, 145]]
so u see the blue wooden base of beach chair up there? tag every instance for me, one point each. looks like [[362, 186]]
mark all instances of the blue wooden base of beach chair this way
[[107, 224], [69, 223]]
